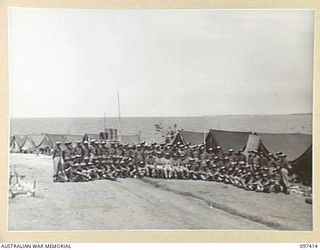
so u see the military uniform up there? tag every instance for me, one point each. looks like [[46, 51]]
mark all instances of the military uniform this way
[[256, 162], [220, 153], [167, 167], [150, 165], [86, 151], [73, 175], [284, 182], [112, 150], [188, 151], [194, 169], [263, 161], [250, 158], [78, 149], [159, 170], [57, 157], [241, 156], [67, 153], [210, 154]]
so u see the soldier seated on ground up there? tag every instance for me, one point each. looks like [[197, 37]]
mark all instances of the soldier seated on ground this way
[[159, 166], [178, 171], [185, 171], [113, 168], [81, 171], [125, 170], [266, 183], [84, 163], [67, 167], [221, 174], [210, 169], [141, 170], [74, 175], [249, 180], [175, 165], [101, 170], [167, 166], [204, 174], [238, 179], [214, 172], [194, 172], [235, 176], [91, 171], [276, 187], [256, 183], [150, 164]]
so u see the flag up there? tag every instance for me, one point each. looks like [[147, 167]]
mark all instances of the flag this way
[[158, 127]]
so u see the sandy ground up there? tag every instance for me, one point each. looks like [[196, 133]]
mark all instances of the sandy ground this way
[[147, 204]]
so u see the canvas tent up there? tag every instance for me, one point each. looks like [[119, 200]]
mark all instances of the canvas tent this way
[[74, 138], [17, 143], [45, 146], [37, 139], [53, 138], [14, 146], [21, 139], [297, 147], [227, 139], [28, 146], [194, 138], [293, 145], [253, 143], [303, 166]]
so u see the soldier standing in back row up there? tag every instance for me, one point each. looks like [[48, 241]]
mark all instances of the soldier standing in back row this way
[[67, 153], [241, 156], [86, 150], [56, 156], [284, 181], [78, 149], [219, 152]]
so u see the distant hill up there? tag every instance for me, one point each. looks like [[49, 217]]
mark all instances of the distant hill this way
[[259, 114]]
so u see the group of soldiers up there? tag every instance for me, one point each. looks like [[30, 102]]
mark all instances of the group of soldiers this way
[[95, 160]]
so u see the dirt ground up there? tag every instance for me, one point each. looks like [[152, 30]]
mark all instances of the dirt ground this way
[[129, 204]]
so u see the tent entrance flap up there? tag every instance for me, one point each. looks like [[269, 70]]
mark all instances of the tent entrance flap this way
[[253, 143]]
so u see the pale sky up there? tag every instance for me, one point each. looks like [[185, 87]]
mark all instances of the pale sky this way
[[70, 63]]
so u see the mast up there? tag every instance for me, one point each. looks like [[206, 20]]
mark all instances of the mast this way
[[105, 122], [119, 113]]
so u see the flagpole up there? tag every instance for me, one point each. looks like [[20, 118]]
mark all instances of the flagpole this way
[[119, 113], [105, 122]]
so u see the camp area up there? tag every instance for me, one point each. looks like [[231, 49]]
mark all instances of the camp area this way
[[112, 178], [297, 146], [45, 142], [148, 204]]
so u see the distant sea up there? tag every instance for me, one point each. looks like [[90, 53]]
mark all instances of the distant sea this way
[[297, 123]]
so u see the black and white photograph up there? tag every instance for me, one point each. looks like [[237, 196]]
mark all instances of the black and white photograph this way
[[160, 119]]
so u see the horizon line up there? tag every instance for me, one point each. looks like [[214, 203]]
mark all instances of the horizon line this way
[[183, 116]]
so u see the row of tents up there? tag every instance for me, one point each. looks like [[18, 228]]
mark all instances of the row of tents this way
[[297, 146], [43, 143]]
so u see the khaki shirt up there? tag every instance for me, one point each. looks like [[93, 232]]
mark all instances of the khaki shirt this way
[[57, 152]]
